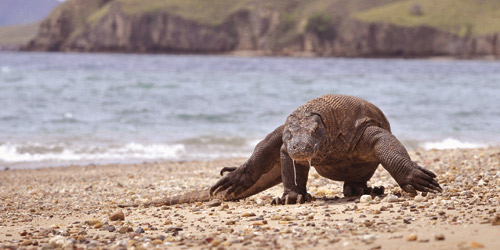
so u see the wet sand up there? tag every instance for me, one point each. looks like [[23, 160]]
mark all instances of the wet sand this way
[[70, 207]]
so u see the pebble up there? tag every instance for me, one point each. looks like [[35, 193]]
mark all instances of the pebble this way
[[369, 238], [111, 228], [123, 230], [496, 220], [139, 230], [365, 198], [392, 198], [92, 222], [247, 214], [157, 242], [57, 241], [214, 203], [439, 237], [474, 244], [26, 243], [118, 215], [411, 237], [419, 198]]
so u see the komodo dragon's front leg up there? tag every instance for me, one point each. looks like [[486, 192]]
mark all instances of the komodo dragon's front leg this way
[[260, 172], [395, 159]]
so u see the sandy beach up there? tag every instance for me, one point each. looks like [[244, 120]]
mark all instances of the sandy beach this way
[[76, 207]]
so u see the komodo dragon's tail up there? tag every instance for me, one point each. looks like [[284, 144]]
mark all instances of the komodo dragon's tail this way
[[191, 197]]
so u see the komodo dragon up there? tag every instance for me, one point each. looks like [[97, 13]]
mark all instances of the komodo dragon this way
[[345, 138]]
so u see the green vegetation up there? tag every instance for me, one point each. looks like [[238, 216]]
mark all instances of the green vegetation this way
[[461, 17], [18, 35], [97, 15], [211, 12], [321, 25]]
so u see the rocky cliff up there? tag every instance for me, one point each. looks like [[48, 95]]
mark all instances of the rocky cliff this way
[[110, 25]]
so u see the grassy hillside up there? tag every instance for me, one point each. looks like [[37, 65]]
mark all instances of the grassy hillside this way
[[461, 17], [18, 35], [214, 12]]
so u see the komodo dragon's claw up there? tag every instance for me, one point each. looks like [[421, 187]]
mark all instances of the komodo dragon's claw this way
[[289, 199], [227, 169], [420, 179]]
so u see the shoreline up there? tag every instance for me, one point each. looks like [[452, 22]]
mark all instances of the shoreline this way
[[263, 53], [71, 207]]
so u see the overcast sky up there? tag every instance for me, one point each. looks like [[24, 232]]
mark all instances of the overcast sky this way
[[13, 12]]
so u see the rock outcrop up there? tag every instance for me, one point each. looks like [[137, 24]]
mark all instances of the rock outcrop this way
[[247, 29]]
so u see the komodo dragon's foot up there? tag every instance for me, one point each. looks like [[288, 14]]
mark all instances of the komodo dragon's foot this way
[[292, 197], [355, 189]]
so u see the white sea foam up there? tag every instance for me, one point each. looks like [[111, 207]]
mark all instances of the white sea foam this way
[[451, 143], [5, 69], [35, 152]]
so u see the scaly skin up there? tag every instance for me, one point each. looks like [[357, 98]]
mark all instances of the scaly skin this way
[[345, 138]]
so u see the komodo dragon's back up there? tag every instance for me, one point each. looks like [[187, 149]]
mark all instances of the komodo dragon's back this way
[[345, 118]]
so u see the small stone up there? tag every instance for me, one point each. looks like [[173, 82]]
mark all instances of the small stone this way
[[215, 243], [392, 198], [214, 203], [439, 237], [111, 228], [419, 198], [247, 214], [365, 198], [368, 238], [173, 229], [57, 241], [118, 215], [157, 242], [24, 233], [496, 221], [26, 243], [411, 237], [123, 230], [139, 230], [98, 225], [276, 217], [92, 222], [476, 245]]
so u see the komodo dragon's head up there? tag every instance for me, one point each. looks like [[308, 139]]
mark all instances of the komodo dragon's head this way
[[303, 136]]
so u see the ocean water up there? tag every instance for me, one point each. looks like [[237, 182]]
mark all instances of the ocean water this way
[[60, 108]]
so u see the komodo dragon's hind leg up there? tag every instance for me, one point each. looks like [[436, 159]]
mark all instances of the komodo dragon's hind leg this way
[[258, 173], [353, 189], [357, 187]]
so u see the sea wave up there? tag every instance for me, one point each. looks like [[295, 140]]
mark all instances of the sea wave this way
[[5, 69], [451, 143], [37, 152]]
